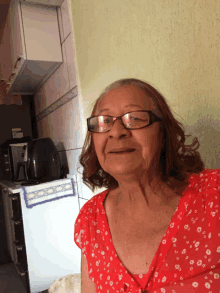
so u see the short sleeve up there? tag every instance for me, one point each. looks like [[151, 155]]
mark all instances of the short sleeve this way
[[89, 234], [81, 227], [85, 229]]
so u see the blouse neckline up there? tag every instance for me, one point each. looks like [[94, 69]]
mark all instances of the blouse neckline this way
[[170, 230]]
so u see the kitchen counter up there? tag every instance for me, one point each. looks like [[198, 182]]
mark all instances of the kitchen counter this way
[[13, 187]]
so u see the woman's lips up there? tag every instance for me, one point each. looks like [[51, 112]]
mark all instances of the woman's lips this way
[[123, 152]]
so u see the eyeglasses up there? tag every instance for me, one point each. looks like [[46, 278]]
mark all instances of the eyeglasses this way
[[131, 120]]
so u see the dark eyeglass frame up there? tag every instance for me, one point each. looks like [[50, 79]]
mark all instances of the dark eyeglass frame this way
[[153, 119]]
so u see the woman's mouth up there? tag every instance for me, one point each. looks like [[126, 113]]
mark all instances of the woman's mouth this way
[[123, 152]]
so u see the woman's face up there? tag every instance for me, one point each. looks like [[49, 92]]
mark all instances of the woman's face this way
[[147, 142]]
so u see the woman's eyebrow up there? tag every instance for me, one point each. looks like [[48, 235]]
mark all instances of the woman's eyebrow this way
[[130, 105]]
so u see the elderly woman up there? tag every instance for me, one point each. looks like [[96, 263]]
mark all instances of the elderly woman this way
[[157, 226]]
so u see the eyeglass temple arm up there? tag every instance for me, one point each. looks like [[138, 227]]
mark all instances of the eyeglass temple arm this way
[[154, 118]]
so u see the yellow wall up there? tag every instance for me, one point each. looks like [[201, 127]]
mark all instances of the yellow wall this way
[[173, 44]]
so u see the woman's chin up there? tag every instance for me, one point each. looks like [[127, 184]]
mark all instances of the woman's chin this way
[[121, 171]]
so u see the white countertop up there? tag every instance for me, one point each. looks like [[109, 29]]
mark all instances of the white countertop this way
[[13, 187]]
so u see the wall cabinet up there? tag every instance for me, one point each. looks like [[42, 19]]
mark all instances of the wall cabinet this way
[[31, 41], [46, 2], [5, 52]]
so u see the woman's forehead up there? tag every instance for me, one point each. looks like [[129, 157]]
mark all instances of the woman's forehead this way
[[124, 96]]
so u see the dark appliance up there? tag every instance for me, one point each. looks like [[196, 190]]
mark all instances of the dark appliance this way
[[12, 152], [34, 161], [43, 161], [13, 116]]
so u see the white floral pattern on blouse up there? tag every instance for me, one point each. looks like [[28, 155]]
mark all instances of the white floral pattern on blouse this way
[[187, 259]]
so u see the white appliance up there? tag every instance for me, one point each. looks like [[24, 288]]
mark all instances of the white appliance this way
[[47, 240]]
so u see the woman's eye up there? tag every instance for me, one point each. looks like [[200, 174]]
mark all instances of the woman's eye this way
[[107, 120], [135, 118]]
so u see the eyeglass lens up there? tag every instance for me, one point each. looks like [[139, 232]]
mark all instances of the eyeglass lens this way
[[130, 120]]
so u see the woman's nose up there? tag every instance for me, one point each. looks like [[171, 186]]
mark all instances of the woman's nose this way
[[118, 129]]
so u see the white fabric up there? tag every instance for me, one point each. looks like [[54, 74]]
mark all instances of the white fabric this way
[[68, 284], [53, 190]]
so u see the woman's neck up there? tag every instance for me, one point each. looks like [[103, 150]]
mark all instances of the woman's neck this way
[[144, 189]]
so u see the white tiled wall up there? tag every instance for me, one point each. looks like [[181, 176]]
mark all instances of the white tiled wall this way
[[64, 125]]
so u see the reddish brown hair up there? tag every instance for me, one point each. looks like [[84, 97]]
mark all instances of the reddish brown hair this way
[[177, 159]]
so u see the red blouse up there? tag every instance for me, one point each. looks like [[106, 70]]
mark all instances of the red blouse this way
[[187, 259]]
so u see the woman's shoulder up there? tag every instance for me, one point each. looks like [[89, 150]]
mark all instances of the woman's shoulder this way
[[208, 178], [86, 221], [93, 205]]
